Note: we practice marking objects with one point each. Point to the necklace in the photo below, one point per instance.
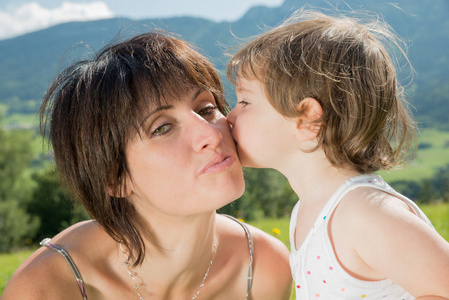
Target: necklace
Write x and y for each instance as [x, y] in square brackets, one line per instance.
[136, 287]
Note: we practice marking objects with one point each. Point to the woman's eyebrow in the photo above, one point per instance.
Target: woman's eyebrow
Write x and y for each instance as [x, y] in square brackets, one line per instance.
[154, 111]
[197, 93]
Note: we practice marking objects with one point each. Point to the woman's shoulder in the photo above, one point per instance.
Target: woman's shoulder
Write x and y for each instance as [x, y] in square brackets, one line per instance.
[243, 233]
[46, 274]
[271, 277]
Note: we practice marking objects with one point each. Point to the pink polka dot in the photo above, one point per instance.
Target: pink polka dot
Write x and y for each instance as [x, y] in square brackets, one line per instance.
[308, 272]
[343, 289]
[318, 295]
[318, 257]
[324, 281]
[298, 286]
[331, 268]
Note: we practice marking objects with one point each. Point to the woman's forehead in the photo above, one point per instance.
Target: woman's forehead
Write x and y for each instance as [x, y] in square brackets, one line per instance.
[172, 97]
[170, 100]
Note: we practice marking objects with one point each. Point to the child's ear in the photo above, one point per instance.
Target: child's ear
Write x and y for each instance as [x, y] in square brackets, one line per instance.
[308, 124]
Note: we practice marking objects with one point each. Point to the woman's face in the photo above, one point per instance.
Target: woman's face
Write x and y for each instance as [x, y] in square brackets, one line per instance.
[184, 161]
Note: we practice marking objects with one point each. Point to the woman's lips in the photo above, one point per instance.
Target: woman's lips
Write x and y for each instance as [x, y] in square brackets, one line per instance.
[218, 163]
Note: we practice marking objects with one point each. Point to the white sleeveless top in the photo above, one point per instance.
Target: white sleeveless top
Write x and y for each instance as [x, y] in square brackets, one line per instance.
[315, 268]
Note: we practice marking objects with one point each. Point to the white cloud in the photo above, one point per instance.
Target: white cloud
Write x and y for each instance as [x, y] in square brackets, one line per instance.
[32, 16]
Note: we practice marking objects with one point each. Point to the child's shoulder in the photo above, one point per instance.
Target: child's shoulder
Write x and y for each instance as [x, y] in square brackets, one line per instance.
[373, 221]
[380, 235]
[369, 220]
[367, 230]
[369, 200]
[368, 208]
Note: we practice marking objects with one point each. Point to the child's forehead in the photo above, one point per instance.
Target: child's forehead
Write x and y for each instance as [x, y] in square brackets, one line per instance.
[248, 71]
[240, 87]
[247, 85]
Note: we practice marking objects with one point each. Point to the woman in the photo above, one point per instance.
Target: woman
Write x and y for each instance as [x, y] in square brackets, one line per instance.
[140, 138]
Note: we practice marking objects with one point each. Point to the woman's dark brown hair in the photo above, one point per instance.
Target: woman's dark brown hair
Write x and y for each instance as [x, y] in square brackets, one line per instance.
[95, 107]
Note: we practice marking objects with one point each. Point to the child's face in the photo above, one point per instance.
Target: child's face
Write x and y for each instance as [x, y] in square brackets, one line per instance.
[263, 136]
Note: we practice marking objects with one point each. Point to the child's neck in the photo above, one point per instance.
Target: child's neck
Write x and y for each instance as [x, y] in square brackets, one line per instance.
[314, 177]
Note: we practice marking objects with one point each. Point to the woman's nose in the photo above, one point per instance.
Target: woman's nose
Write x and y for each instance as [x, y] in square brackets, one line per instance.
[206, 135]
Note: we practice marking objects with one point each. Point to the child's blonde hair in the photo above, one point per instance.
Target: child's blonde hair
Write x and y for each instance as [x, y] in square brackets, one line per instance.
[344, 66]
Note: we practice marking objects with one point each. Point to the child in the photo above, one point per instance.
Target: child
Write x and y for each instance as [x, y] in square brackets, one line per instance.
[318, 100]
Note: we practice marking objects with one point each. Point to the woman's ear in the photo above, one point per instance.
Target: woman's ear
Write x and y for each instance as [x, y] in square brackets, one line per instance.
[308, 124]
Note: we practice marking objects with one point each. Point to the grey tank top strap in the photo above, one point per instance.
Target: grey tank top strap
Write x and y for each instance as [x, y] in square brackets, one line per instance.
[251, 254]
[79, 279]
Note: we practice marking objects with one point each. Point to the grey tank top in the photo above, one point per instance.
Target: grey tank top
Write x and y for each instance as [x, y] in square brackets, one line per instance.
[47, 243]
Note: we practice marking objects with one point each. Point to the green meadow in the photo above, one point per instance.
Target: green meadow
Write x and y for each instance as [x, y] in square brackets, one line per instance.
[432, 153]
[23, 120]
[437, 213]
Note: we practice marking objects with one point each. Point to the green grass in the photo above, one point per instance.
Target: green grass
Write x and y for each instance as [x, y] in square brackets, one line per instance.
[9, 262]
[427, 161]
[3, 108]
[439, 216]
[26, 120]
[276, 227]
[437, 213]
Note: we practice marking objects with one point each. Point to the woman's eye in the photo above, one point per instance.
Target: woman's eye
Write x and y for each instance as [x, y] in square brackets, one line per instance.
[161, 129]
[207, 111]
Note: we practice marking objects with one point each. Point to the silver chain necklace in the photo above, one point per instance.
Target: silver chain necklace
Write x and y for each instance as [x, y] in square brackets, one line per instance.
[136, 287]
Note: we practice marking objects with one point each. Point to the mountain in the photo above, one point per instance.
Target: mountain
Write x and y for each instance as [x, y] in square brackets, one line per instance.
[28, 63]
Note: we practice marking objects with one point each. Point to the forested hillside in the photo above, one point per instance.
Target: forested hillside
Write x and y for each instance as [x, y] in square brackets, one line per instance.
[29, 62]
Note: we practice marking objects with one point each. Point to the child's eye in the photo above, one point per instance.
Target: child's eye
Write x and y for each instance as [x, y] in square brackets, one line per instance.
[163, 129]
[243, 103]
[207, 111]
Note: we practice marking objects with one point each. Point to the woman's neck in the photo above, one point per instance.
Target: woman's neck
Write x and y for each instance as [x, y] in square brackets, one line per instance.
[178, 253]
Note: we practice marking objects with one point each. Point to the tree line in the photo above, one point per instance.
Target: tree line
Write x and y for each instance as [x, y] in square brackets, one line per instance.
[33, 205]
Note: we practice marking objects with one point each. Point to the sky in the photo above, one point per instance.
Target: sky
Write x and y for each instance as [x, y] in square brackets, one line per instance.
[18, 17]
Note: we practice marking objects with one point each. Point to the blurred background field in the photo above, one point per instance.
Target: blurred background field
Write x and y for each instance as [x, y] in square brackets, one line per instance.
[32, 203]
[432, 153]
